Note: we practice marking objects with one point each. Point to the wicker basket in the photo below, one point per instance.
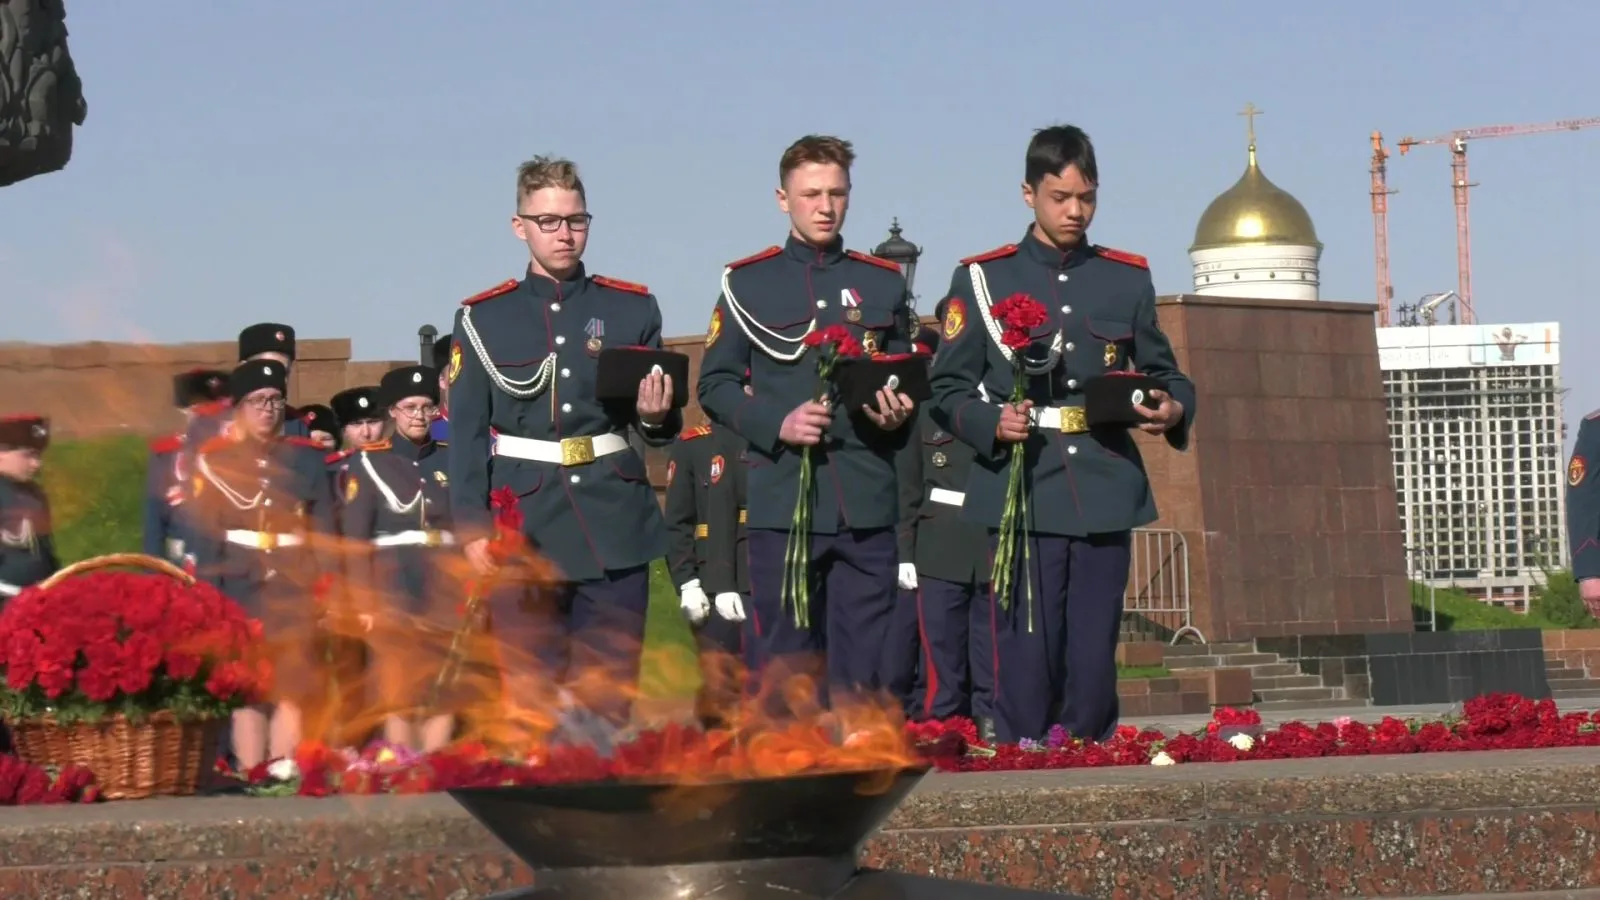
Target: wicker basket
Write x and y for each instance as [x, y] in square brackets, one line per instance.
[160, 756]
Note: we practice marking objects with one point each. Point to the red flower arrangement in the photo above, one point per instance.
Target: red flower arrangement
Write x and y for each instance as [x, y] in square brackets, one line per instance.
[108, 643]
[833, 344]
[1018, 315]
[1494, 722]
[22, 784]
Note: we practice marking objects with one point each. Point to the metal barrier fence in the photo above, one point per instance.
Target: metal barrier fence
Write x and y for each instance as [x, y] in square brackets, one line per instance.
[1156, 604]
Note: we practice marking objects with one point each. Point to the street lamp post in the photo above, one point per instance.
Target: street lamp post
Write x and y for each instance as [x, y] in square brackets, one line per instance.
[899, 250]
[426, 335]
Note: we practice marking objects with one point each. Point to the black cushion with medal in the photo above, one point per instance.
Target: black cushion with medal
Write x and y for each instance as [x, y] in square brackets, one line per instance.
[622, 368]
[859, 380]
[1109, 400]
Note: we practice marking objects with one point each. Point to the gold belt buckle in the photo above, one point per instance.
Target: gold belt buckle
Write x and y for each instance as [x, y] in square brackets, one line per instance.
[1074, 420]
[266, 540]
[431, 538]
[702, 531]
[577, 451]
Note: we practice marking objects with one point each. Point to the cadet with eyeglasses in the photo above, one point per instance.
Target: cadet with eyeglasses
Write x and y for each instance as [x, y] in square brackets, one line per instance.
[524, 362]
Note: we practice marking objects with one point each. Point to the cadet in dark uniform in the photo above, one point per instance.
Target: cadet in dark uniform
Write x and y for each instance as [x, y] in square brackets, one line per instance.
[200, 392]
[1088, 489]
[361, 416]
[259, 502]
[1583, 512]
[321, 426]
[396, 501]
[951, 571]
[707, 554]
[528, 361]
[264, 340]
[904, 672]
[27, 542]
[440, 429]
[769, 303]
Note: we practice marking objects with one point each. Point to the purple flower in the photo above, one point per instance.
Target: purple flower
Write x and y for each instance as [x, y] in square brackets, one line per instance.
[1057, 738]
[1030, 744]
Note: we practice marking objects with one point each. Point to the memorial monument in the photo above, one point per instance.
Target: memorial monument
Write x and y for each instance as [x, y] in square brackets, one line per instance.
[41, 97]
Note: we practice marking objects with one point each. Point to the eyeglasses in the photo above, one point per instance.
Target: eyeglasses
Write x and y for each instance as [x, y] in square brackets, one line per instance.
[552, 224]
[265, 404]
[417, 412]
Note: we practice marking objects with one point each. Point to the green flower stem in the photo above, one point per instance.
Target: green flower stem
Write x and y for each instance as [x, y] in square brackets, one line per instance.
[1014, 520]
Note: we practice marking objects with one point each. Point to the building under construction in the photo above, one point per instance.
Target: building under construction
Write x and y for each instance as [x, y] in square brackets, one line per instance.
[1475, 424]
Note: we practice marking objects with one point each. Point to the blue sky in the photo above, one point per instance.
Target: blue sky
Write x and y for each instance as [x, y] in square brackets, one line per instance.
[347, 167]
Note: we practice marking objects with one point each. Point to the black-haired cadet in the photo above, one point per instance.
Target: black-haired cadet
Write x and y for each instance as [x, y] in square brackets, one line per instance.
[321, 425]
[198, 392]
[27, 542]
[361, 416]
[397, 502]
[1088, 485]
[262, 341]
[259, 504]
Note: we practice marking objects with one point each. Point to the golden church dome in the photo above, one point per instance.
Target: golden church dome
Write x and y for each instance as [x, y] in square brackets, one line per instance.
[1254, 212]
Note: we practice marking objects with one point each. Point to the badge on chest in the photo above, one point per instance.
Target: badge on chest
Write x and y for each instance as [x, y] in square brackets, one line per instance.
[717, 465]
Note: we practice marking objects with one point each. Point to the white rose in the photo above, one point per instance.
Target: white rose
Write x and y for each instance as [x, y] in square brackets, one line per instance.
[283, 770]
[1242, 742]
[1162, 759]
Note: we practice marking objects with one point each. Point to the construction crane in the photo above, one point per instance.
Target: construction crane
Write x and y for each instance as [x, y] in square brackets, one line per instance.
[1457, 142]
[1380, 224]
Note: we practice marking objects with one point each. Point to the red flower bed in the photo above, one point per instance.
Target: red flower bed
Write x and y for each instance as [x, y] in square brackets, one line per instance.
[24, 785]
[1495, 722]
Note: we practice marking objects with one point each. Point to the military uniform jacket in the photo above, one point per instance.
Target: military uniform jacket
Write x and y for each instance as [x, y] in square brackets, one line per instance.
[1583, 500]
[27, 545]
[439, 429]
[165, 478]
[933, 535]
[397, 489]
[769, 302]
[1102, 312]
[705, 511]
[279, 488]
[524, 360]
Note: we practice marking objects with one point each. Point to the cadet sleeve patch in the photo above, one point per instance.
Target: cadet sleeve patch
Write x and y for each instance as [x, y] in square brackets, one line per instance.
[879, 261]
[717, 464]
[454, 371]
[996, 253]
[1124, 257]
[618, 284]
[955, 318]
[714, 330]
[1576, 470]
[504, 287]
[672, 469]
[352, 487]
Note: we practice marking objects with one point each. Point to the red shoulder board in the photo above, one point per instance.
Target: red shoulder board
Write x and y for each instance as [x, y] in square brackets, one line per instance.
[169, 444]
[215, 407]
[689, 434]
[879, 261]
[384, 444]
[217, 442]
[996, 253]
[1122, 256]
[619, 285]
[768, 253]
[299, 441]
[504, 287]
[339, 456]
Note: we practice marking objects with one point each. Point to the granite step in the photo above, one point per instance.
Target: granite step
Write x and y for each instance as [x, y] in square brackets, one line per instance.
[1251, 659]
[1175, 663]
[1295, 694]
[1564, 674]
[1274, 670]
[1283, 682]
[1268, 706]
[1586, 690]
[1224, 649]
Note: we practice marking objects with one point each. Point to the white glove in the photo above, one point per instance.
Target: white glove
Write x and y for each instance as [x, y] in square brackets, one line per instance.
[908, 576]
[730, 606]
[694, 602]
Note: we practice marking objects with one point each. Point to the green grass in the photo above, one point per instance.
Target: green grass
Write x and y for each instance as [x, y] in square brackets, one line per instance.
[1555, 607]
[1131, 673]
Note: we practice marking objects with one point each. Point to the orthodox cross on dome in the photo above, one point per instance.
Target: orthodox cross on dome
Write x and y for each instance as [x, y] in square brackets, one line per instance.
[1250, 112]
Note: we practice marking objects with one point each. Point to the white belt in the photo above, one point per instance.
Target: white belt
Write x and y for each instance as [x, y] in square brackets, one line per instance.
[261, 540]
[573, 451]
[417, 538]
[946, 496]
[1066, 419]
[9, 590]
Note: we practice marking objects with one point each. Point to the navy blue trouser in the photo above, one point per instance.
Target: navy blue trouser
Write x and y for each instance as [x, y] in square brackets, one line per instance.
[1068, 660]
[852, 602]
[905, 671]
[958, 649]
[586, 636]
